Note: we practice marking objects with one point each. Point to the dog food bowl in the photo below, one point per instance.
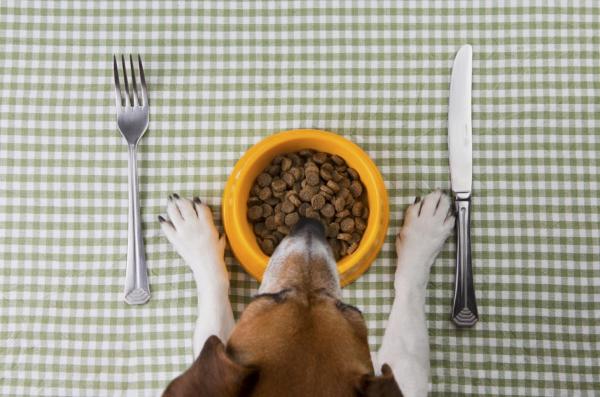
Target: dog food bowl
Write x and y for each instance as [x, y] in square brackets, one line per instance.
[239, 231]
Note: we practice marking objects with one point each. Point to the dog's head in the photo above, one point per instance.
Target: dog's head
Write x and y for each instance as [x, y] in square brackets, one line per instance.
[296, 338]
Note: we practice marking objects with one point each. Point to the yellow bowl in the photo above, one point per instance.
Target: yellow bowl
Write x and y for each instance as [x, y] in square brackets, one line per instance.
[254, 161]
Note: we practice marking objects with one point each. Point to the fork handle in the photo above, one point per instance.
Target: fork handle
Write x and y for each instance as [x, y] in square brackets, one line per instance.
[137, 290]
[464, 310]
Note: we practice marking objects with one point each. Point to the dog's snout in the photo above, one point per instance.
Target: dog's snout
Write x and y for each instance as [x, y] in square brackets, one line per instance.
[304, 258]
[308, 225]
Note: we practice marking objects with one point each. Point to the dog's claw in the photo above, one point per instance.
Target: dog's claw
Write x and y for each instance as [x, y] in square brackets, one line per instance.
[438, 204]
[421, 207]
[450, 214]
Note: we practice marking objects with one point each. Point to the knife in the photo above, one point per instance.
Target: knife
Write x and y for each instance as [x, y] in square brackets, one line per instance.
[464, 308]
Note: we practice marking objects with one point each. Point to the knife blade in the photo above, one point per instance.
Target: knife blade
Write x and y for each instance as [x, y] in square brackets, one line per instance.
[464, 308]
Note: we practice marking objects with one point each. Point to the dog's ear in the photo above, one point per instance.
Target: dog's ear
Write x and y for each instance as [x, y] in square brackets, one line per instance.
[384, 385]
[213, 373]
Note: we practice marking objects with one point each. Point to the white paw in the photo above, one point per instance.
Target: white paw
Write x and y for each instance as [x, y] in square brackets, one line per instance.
[191, 230]
[427, 224]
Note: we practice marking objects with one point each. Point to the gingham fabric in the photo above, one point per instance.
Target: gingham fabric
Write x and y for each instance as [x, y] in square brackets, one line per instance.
[222, 75]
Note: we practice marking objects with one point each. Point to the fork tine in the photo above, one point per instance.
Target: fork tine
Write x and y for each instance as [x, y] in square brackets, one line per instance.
[143, 81]
[133, 82]
[129, 98]
[118, 98]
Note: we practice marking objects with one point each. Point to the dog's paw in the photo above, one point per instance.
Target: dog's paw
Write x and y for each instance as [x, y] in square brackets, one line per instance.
[427, 224]
[191, 230]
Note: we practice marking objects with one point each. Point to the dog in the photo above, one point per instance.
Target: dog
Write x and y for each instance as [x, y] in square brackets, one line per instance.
[297, 337]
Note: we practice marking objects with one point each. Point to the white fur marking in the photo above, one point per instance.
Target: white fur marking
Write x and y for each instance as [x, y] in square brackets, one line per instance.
[293, 245]
[196, 239]
[405, 345]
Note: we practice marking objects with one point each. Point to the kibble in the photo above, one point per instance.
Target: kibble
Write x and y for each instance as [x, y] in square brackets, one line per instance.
[274, 170]
[353, 174]
[312, 178]
[326, 189]
[286, 164]
[295, 200]
[311, 166]
[289, 179]
[297, 187]
[337, 160]
[287, 207]
[272, 201]
[342, 214]
[312, 213]
[351, 248]
[328, 210]
[255, 212]
[296, 160]
[365, 214]
[357, 208]
[291, 219]
[267, 246]
[345, 193]
[333, 229]
[347, 225]
[326, 171]
[279, 218]
[336, 176]
[327, 196]
[278, 236]
[333, 186]
[356, 188]
[266, 210]
[344, 236]
[259, 228]
[343, 248]
[264, 179]
[317, 201]
[254, 201]
[278, 185]
[270, 223]
[320, 157]
[360, 224]
[350, 202]
[308, 184]
[305, 195]
[302, 209]
[283, 230]
[297, 173]
[339, 204]
[265, 193]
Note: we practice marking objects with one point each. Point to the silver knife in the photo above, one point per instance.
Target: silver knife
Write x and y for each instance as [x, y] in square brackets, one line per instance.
[464, 308]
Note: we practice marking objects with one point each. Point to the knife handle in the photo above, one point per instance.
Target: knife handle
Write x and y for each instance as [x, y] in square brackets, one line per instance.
[464, 310]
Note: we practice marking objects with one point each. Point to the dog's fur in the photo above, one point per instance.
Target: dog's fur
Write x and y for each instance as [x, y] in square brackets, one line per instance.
[296, 337]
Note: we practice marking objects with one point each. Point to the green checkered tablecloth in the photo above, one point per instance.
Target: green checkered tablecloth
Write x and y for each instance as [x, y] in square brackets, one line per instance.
[222, 75]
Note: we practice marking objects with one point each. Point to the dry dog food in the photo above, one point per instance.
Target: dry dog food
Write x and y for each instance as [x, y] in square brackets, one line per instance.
[314, 185]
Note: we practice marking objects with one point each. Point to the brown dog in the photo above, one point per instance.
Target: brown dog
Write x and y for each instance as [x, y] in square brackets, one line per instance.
[296, 337]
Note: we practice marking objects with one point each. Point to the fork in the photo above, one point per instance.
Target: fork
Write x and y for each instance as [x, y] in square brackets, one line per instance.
[132, 119]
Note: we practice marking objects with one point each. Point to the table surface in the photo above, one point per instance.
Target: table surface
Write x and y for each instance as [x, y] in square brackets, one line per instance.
[223, 75]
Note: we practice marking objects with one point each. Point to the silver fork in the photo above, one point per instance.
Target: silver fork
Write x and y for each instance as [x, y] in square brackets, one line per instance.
[132, 119]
